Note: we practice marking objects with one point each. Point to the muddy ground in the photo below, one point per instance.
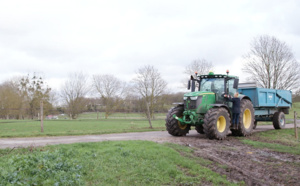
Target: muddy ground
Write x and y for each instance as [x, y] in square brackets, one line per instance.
[241, 162]
[238, 161]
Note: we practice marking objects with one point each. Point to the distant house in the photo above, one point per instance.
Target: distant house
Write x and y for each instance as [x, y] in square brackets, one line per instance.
[51, 117]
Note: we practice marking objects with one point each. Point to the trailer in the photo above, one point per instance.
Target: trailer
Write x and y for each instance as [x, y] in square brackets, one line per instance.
[268, 104]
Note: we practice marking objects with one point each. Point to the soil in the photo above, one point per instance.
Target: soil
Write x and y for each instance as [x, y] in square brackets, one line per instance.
[230, 157]
[240, 162]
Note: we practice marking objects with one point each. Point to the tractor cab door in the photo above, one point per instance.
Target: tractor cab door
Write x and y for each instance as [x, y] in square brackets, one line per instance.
[231, 89]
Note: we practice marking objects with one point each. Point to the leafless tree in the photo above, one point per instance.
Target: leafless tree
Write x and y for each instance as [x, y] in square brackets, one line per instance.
[149, 85]
[111, 90]
[199, 66]
[271, 64]
[21, 96]
[33, 90]
[73, 93]
[296, 96]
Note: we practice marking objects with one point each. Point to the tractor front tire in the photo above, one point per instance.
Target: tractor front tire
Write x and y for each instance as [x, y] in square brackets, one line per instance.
[174, 127]
[216, 123]
[278, 120]
[246, 120]
[199, 129]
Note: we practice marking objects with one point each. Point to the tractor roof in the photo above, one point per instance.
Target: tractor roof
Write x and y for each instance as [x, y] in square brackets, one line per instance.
[212, 75]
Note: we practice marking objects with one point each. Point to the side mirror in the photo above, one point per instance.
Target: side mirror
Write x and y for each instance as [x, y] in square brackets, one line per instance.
[189, 85]
[193, 86]
[236, 83]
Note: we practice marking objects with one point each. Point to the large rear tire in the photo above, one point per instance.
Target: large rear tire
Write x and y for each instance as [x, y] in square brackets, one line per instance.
[174, 127]
[278, 120]
[246, 120]
[216, 123]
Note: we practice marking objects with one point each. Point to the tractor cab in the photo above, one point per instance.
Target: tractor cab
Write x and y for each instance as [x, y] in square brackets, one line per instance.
[218, 84]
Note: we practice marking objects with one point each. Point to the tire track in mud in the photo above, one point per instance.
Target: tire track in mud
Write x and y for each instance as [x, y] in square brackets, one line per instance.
[235, 172]
[245, 163]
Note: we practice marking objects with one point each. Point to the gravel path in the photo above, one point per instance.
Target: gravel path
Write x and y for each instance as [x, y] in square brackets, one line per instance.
[158, 136]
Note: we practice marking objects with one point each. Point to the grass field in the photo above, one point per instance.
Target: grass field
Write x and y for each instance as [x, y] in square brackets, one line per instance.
[117, 115]
[107, 163]
[296, 107]
[115, 162]
[29, 128]
[277, 140]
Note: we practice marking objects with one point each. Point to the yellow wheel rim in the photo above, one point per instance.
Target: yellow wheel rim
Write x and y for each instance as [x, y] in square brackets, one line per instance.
[181, 126]
[247, 118]
[221, 124]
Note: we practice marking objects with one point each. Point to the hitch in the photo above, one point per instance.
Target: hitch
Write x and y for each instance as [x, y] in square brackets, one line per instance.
[188, 118]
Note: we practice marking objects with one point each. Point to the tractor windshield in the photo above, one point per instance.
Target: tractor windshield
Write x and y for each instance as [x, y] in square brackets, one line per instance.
[215, 85]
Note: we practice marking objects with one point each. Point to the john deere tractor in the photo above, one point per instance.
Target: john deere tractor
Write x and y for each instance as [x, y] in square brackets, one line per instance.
[206, 108]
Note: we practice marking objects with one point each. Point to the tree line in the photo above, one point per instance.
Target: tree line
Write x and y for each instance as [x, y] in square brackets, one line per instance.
[21, 97]
[270, 63]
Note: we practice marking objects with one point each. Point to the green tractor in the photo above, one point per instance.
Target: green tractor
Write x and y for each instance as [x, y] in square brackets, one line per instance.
[206, 108]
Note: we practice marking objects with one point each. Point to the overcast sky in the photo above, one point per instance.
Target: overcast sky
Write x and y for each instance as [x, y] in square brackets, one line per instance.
[59, 37]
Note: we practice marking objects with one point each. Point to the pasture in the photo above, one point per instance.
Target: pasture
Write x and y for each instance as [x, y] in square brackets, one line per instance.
[86, 124]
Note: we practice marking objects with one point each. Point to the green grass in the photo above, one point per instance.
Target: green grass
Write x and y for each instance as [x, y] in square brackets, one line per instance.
[117, 115]
[29, 128]
[296, 107]
[277, 140]
[106, 163]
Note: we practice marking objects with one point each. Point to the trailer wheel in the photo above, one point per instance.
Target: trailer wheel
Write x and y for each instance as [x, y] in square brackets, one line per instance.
[279, 120]
[174, 127]
[199, 129]
[246, 120]
[216, 123]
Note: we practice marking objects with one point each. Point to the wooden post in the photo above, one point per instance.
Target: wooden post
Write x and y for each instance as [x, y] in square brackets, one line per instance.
[42, 117]
[295, 125]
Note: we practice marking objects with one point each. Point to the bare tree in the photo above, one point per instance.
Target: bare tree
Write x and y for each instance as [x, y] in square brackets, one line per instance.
[73, 93]
[111, 90]
[34, 89]
[21, 96]
[149, 85]
[271, 64]
[199, 66]
[296, 96]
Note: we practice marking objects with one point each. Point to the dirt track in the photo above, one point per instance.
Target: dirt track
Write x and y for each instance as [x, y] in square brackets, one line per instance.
[242, 162]
[157, 136]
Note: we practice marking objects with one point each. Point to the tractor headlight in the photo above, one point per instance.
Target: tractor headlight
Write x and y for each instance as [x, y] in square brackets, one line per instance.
[194, 98]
